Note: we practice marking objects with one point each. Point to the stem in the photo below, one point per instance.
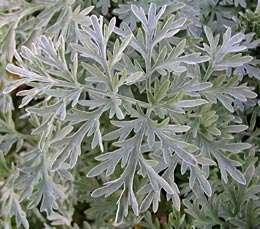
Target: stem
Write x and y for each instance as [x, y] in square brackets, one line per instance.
[148, 83]
[148, 65]
[208, 73]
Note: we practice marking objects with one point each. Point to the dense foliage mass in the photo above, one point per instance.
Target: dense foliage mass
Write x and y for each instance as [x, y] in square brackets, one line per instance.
[129, 114]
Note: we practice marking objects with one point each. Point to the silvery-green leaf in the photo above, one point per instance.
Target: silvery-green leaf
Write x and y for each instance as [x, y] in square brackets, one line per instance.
[118, 51]
[226, 167]
[191, 103]
[186, 156]
[197, 174]
[235, 147]
[226, 102]
[11, 206]
[70, 147]
[233, 61]
[193, 58]
[236, 128]
[179, 128]
[134, 78]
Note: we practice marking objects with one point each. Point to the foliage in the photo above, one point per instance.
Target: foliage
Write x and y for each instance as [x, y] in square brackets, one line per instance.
[140, 114]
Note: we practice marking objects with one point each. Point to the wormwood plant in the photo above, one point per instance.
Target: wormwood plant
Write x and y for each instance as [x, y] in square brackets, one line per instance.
[154, 101]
